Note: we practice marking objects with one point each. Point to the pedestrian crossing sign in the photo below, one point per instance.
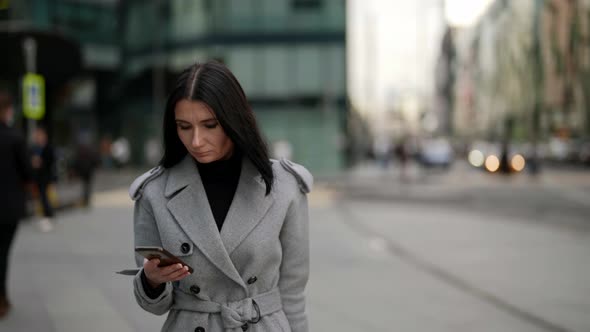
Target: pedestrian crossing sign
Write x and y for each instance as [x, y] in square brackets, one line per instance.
[4, 4]
[34, 96]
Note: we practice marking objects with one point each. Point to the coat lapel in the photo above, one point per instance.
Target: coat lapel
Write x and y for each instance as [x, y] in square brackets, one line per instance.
[190, 207]
[247, 208]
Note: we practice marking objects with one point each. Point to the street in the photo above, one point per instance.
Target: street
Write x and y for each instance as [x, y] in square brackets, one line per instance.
[379, 261]
[449, 143]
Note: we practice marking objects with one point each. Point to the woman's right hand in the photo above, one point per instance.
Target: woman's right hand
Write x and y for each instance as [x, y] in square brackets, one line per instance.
[159, 275]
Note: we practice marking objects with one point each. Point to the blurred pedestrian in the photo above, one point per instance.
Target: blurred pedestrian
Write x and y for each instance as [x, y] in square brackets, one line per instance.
[121, 151]
[86, 161]
[382, 150]
[282, 149]
[152, 151]
[402, 155]
[44, 174]
[15, 173]
[533, 160]
[219, 203]
[106, 157]
[504, 167]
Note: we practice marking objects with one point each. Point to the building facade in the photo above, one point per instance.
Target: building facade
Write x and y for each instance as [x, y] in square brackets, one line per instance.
[526, 63]
[289, 56]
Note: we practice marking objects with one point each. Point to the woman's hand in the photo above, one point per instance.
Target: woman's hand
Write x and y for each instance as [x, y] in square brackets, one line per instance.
[159, 275]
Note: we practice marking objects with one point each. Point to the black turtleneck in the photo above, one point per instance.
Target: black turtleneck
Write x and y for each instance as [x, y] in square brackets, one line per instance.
[220, 180]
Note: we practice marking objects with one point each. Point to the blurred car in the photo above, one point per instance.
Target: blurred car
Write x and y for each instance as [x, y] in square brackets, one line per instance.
[558, 149]
[487, 156]
[436, 152]
[569, 150]
[584, 153]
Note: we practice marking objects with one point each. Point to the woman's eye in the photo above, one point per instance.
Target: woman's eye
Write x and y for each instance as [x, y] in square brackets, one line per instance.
[184, 127]
[211, 125]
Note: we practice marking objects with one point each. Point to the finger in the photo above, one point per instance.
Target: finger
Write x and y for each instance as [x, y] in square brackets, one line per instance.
[151, 264]
[177, 273]
[174, 276]
[171, 269]
[182, 276]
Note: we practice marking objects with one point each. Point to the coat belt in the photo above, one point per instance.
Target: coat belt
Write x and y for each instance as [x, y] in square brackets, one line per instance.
[233, 314]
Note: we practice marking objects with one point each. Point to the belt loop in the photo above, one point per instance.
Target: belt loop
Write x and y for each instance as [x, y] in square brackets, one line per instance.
[257, 318]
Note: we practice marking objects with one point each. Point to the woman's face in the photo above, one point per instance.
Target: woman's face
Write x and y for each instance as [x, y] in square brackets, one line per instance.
[200, 132]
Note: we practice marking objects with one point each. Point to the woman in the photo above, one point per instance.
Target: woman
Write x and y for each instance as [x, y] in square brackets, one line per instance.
[218, 203]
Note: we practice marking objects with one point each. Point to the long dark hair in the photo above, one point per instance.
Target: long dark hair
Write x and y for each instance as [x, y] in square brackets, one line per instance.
[215, 85]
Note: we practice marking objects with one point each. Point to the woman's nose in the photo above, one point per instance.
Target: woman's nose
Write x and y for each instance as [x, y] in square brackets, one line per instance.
[197, 139]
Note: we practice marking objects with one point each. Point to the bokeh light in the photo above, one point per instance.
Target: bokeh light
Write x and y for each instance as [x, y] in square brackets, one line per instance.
[476, 158]
[518, 163]
[492, 163]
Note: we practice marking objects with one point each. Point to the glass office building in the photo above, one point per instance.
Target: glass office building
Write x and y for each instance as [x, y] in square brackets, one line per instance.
[289, 56]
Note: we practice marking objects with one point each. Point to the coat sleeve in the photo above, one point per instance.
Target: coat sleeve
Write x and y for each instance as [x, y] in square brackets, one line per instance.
[294, 271]
[146, 234]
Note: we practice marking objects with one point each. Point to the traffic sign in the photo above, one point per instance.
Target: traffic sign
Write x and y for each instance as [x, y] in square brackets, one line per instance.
[34, 96]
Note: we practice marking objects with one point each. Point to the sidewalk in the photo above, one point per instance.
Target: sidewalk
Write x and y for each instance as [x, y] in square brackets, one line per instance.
[461, 184]
[423, 268]
[461, 180]
[69, 192]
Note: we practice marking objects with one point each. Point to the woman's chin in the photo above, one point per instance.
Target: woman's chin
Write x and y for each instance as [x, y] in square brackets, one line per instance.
[204, 159]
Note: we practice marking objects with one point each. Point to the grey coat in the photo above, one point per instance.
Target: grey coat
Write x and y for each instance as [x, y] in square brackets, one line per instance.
[251, 274]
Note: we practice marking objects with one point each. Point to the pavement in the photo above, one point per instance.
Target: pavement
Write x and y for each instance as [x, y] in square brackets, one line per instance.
[383, 258]
[372, 182]
[69, 190]
[369, 180]
[559, 196]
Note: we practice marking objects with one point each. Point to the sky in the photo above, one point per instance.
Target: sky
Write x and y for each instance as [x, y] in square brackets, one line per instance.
[394, 45]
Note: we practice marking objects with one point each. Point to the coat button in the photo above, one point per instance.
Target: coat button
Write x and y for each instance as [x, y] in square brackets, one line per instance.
[245, 327]
[185, 248]
[199, 329]
[252, 280]
[195, 289]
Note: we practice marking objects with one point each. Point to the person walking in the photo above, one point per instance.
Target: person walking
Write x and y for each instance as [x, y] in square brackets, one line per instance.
[85, 163]
[43, 162]
[402, 155]
[224, 208]
[15, 173]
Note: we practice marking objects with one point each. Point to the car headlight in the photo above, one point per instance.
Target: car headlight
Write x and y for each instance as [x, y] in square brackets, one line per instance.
[492, 163]
[476, 158]
[517, 162]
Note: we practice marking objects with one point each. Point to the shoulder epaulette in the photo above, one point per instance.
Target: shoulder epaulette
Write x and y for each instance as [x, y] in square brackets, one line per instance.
[303, 176]
[137, 186]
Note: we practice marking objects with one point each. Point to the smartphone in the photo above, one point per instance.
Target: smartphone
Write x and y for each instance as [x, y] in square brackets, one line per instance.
[165, 257]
